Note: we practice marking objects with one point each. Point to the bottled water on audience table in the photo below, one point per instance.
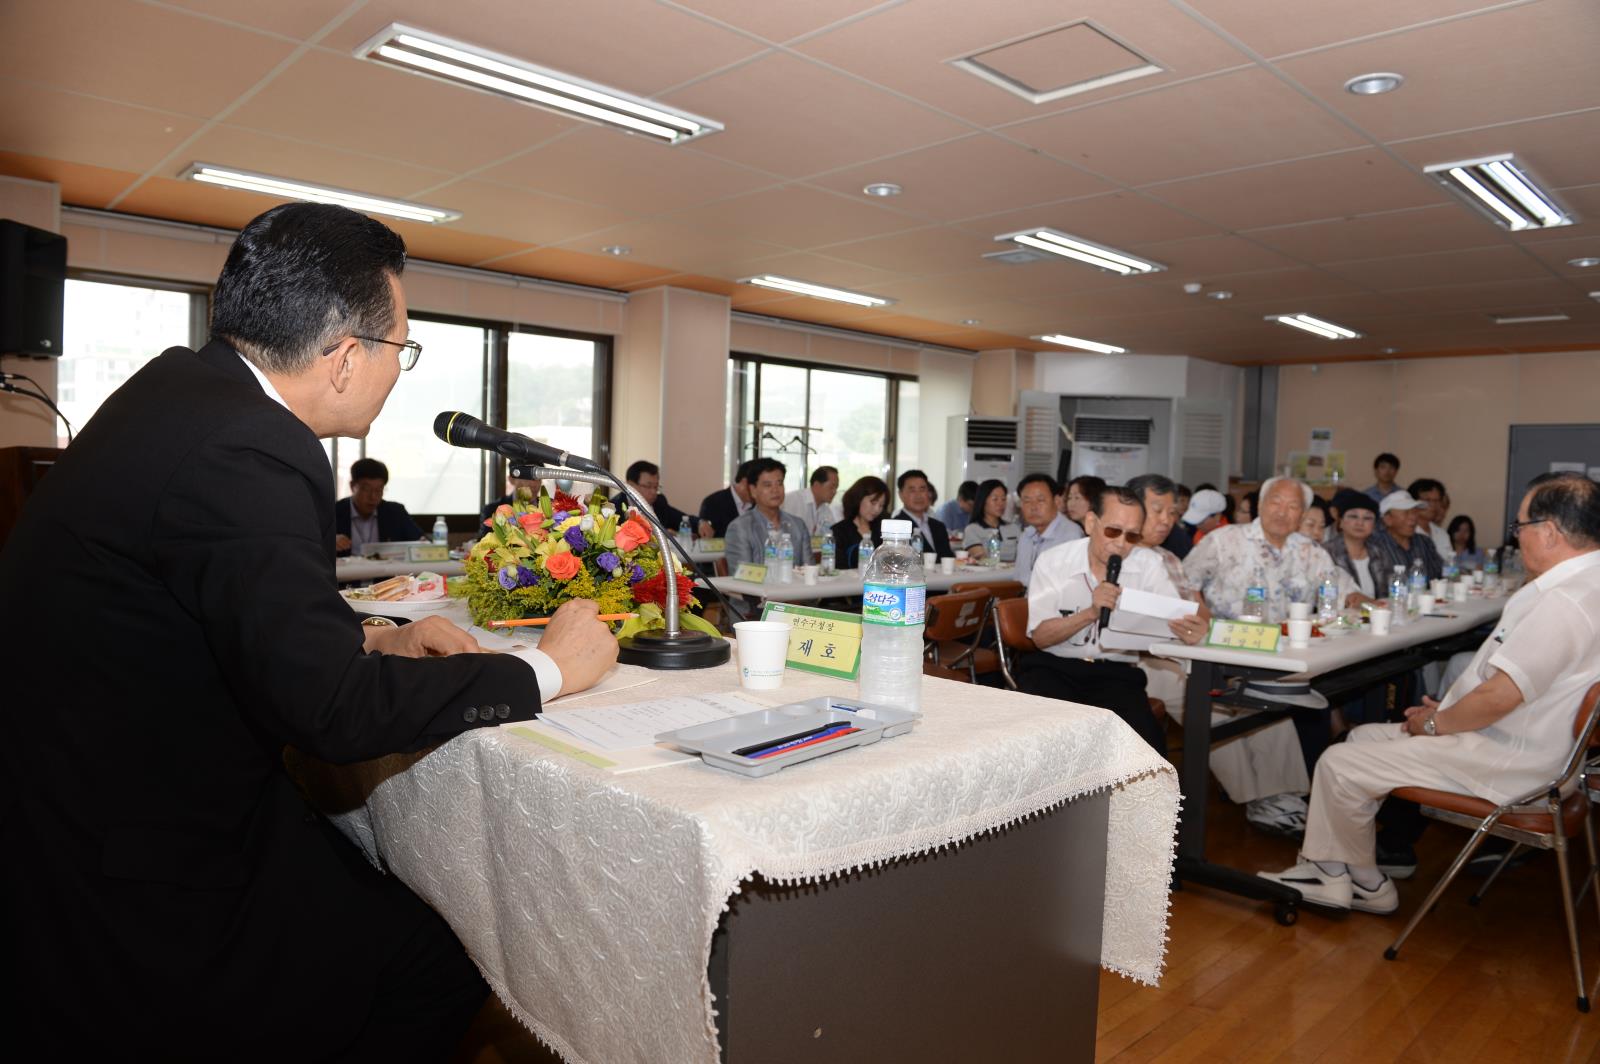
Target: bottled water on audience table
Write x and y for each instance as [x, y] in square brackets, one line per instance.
[1254, 607]
[769, 557]
[991, 549]
[827, 560]
[1328, 601]
[441, 531]
[893, 601]
[864, 556]
[1416, 582]
[916, 541]
[685, 533]
[785, 558]
[1398, 594]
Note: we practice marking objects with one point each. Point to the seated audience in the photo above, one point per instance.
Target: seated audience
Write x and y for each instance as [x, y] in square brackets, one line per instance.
[1358, 516]
[863, 506]
[1065, 597]
[1203, 515]
[988, 517]
[1079, 497]
[1245, 509]
[1317, 521]
[1397, 542]
[718, 509]
[1430, 517]
[747, 533]
[645, 478]
[1184, 496]
[958, 511]
[1464, 542]
[813, 504]
[363, 517]
[1386, 467]
[1044, 525]
[916, 499]
[1503, 728]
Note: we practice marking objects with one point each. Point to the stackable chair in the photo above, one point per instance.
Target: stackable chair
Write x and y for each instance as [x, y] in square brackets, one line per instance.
[1011, 629]
[1544, 818]
[955, 623]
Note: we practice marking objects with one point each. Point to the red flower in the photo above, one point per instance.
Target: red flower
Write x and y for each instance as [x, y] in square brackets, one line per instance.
[563, 501]
[632, 532]
[654, 589]
[563, 566]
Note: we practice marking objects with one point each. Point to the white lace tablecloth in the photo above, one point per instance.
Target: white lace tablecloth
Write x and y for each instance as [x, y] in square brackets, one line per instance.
[589, 900]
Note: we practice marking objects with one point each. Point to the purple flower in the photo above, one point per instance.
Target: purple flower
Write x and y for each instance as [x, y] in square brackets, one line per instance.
[574, 538]
[608, 561]
[559, 516]
[636, 576]
[527, 576]
[508, 577]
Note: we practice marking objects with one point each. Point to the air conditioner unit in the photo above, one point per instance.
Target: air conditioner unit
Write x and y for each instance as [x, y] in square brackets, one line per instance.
[1115, 449]
[983, 448]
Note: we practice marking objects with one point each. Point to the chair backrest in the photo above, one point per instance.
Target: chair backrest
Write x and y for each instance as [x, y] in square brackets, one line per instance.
[1011, 618]
[1006, 589]
[1584, 721]
[955, 616]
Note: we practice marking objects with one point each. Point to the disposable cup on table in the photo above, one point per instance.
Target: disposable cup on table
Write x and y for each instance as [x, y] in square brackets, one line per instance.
[1441, 589]
[1458, 591]
[947, 565]
[1299, 611]
[808, 574]
[1425, 604]
[762, 646]
[1380, 619]
[929, 560]
[962, 556]
[1299, 632]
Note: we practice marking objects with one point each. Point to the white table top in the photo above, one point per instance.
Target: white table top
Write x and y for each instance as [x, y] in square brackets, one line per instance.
[352, 570]
[848, 583]
[1327, 655]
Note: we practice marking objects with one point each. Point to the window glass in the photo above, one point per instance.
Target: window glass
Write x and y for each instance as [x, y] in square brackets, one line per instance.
[907, 444]
[109, 332]
[782, 402]
[850, 410]
[550, 390]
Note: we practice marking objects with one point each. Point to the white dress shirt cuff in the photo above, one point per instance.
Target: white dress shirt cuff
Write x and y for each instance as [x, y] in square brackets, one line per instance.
[545, 668]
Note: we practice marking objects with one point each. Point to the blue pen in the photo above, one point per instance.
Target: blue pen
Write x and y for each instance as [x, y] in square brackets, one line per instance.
[778, 746]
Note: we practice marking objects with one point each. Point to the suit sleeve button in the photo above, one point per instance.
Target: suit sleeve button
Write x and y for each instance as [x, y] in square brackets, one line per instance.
[502, 711]
[470, 714]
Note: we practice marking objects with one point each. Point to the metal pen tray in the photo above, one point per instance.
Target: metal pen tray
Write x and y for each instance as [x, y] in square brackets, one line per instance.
[717, 741]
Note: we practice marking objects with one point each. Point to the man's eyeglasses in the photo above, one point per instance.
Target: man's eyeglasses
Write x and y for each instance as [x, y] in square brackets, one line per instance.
[1134, 538]
[410, 350]
[1517, 526]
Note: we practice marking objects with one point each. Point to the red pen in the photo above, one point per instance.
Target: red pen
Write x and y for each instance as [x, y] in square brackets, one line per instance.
[809, 742]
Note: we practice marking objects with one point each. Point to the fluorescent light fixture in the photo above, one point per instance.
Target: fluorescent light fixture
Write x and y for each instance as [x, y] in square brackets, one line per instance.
[1074, 247]
[816, 291]
[285, 188]
[1316, 326]
[1502, 191]
[459, 63]
[1527, 319]
[1082, 345]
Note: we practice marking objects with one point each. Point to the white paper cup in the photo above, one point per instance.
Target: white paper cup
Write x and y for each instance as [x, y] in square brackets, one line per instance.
[1477, 577]
[1459, 591]
[1425, 603]
[947, 565]
[962, 555]
[1441, 589]
[1299, 632]
[929, 560]
[808, 574]
[1380, 621]
[763, 645]
[1299, 611]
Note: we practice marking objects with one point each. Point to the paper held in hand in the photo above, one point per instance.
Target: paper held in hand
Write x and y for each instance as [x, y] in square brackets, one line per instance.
[1140, 620]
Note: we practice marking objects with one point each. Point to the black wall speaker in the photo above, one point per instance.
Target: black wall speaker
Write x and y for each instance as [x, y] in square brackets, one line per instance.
[33, 288]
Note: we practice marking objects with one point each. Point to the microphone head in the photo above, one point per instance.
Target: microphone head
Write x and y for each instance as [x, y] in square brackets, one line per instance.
[457, 429]
[441, 425]
[1113, 568]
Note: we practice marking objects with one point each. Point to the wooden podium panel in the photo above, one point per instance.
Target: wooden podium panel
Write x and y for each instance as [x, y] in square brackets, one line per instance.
[20, 470]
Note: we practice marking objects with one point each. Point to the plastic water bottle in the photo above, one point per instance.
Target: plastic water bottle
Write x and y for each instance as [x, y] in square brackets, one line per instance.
[893, 603]
[916, 541]
[785, 558]
[1418, 578]
[1328, 601]
[441, 531]
[685, 533]
[864, 555]
[827, 562]
[1399, 592]
[769, 557]
[1254, 607]
[991, 549]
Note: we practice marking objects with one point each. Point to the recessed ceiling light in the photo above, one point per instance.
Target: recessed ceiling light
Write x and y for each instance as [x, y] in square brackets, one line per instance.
[1325, 329]
[816, 291]
[1527, 319]
[1219, 295]
[285, 188]
[1584, 263]
[1595, 296]
[1083, 345]
[459, 63]
[1074, 247]
[1388, 350]
[1374, 84]
[1501, 190]
[883, 189]
[972, 321]
[617, 249]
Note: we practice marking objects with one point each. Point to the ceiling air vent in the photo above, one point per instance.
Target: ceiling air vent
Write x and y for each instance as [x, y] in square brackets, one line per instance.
[1065, 61]
[1112, 429]
[1017, 256]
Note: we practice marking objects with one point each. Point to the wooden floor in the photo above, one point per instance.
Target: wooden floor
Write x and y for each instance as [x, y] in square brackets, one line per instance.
[1490, 984]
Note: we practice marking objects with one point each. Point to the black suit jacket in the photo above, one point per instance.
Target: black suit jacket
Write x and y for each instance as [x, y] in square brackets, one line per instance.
[720, 508]
[395, 525]
[847, 542]
[936, 529]
[171, 621]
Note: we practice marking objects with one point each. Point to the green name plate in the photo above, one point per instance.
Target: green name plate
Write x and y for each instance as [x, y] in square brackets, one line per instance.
[711, 546]
[428, 552]
[825, 642]
[756, 574]
[1244, 635]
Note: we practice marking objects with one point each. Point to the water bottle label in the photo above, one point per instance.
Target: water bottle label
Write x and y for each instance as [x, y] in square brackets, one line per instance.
[893, 605]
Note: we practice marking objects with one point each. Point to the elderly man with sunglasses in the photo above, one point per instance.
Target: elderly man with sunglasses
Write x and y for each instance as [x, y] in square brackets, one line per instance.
[1065, 596]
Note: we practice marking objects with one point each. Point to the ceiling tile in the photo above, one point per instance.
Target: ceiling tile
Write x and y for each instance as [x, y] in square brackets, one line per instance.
[271, 154]
[1297, 284]
[1210, 256]
[1037, 280]
[783, 115]
[1117, 219]
[909, 48]
[780, 22]
[1218, 123]
[349, 103]
[1295, 25]
[1470, 266]
[1558, 254]
[639, 46]
[974, 175]
[602, 166]
[1333, 186]
[1462, 75]
[299, 19]
[181, 63]
[796, 217]
[161, 197]
[1543, 146]
[442, 243]
[81, 186]
[1446, 227]
[821, 269]
[679, 247]
[1503, 295]
[558, 264]
[936, 249]
[83, 129]
[522, 214]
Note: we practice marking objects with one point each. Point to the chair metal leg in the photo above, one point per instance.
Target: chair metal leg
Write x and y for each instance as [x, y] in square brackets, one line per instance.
[1568, 908]
[1438, 888]
[1478, 894]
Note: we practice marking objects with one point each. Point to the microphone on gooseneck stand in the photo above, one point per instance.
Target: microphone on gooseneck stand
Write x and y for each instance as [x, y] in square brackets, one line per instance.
[1113, 570]
[464, 430]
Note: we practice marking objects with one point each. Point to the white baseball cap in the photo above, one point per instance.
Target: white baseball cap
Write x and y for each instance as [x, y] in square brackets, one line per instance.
[1399, 500]
[1207, 503]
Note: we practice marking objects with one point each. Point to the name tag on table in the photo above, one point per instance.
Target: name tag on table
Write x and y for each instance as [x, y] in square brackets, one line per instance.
[826, 642]
[756, 574]
[1244, 635]
[428, 552]
[711, 546]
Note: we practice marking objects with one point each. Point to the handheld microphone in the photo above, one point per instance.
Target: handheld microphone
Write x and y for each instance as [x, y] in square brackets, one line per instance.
[464, 430]
[1113, 570]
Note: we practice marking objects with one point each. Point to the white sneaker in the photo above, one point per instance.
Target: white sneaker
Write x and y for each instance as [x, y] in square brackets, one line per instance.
[1317, 886]
[1382, 899]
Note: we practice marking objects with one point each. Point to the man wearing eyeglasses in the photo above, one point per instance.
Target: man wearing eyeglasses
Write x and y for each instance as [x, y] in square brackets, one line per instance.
[159, 862]
[365, 516]
[1068, 590]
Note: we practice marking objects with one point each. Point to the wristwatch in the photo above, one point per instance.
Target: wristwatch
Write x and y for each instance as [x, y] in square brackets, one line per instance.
[1431, 725]
[377, 622]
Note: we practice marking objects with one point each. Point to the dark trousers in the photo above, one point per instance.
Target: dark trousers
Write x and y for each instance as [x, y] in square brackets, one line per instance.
[1111, 685]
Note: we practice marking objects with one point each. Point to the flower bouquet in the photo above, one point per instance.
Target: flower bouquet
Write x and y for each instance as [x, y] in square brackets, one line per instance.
[536, 554]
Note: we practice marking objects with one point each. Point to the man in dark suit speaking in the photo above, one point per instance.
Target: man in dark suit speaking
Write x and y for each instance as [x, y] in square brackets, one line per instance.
[365, 516]
[170, 623]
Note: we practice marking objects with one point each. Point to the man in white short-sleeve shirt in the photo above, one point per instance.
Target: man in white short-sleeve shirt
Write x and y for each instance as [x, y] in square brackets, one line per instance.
[1504, 727]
